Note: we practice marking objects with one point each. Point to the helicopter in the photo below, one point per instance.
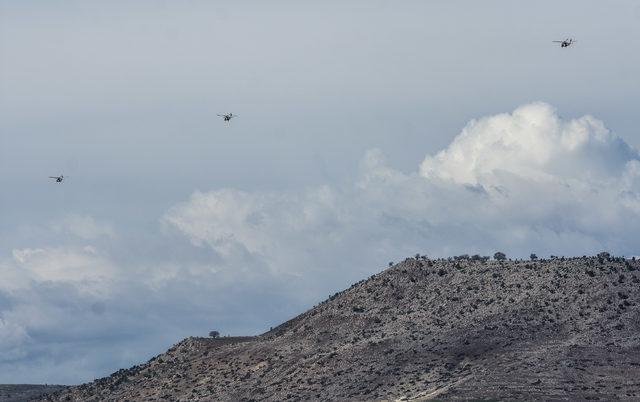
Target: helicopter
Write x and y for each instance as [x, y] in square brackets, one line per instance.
[565, 43]
[58, 178]
[228, 116]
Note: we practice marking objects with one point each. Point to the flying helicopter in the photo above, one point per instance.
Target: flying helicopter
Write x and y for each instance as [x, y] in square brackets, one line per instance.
[228, 116]
[565, 43]
[58, 178]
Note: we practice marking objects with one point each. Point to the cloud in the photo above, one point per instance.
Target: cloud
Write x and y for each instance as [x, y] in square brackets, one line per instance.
[72, 313]
[274, 227]
[83, 226]
[12, 336]
[65, 264]
[241, 261]
[527, 180]
[43, 299]
[534, 144]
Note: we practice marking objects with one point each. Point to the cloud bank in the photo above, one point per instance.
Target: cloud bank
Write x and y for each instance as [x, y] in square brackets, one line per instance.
[526, 181]
[523, 181]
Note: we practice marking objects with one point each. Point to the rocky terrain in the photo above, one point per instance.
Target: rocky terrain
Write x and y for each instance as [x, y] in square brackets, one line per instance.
[455, 329]
[25, 392]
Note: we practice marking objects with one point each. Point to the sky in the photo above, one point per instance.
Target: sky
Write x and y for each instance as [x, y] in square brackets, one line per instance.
[367, 131]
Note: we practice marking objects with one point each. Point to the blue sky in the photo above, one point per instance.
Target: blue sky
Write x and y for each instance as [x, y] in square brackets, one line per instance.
[367, 131]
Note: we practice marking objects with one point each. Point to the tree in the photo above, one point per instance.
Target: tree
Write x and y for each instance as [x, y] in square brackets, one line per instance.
[214, 334]
[500, 256]
[533, 257]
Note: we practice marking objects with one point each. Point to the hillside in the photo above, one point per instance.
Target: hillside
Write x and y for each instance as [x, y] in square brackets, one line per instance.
[448, 329]
[25, 392]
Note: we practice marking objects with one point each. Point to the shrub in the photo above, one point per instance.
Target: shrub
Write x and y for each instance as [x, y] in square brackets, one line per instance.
[533, 257]
[214, 334]
[500, 256]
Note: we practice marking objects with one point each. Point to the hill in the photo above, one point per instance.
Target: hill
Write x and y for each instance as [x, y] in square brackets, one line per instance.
[449, 329]
[25, 392]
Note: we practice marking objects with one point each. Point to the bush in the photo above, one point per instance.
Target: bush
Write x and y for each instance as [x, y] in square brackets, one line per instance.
[533, 257]
[214, 334]
[500, 256]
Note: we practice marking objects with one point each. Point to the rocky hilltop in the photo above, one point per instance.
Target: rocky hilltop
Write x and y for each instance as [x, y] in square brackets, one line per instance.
[447, 329]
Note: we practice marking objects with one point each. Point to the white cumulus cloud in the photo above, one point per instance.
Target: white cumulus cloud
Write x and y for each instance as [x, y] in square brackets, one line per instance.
[534, 144]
